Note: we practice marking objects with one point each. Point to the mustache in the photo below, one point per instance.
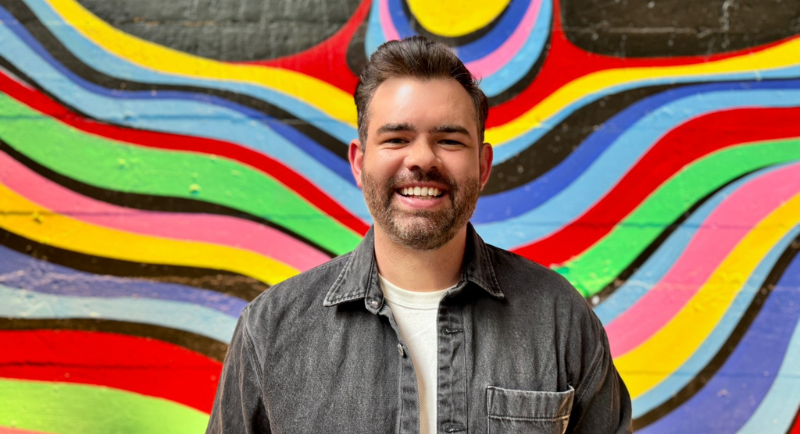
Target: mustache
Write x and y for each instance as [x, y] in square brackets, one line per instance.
[418, 175]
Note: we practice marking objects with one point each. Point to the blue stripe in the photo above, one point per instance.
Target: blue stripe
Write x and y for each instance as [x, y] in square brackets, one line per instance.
[20, 303]
[22, 271]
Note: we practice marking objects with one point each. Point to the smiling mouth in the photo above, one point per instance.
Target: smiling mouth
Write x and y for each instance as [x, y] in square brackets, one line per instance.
[421, 192]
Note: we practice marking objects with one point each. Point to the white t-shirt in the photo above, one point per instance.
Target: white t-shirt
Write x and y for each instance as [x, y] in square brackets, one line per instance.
[416, 314]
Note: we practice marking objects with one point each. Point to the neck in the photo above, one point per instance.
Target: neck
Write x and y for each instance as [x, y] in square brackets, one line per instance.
[420, 270]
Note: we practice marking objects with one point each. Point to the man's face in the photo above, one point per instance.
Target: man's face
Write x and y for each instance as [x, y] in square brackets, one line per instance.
[423, 166]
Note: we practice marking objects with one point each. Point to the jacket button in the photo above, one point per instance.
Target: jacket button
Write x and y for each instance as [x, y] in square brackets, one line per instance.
[373, 302]
[400, 350]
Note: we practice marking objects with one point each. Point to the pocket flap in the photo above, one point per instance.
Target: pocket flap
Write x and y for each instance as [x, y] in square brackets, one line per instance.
[509, 403]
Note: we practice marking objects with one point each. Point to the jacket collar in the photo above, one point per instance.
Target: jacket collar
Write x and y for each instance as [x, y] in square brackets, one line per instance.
[359, 277]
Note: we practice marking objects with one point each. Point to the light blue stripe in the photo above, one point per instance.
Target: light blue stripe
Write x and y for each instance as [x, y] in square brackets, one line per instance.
[615, 162]
[719, 335]
[119, 67]
[182, 117]
[776, 411]
[21, 303]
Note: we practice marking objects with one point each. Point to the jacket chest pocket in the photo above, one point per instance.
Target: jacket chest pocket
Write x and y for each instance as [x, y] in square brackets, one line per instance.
[522, 411]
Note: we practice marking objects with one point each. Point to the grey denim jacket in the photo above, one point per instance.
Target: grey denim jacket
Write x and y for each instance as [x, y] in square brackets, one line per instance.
[519, 351]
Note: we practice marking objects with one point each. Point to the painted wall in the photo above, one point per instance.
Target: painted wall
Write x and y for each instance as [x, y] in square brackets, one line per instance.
[162, 163]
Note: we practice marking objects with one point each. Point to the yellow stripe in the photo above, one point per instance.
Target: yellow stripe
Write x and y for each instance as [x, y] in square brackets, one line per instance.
[325, 97]
[783, 55]
[40, 224]
[453, 18]
[666, 351]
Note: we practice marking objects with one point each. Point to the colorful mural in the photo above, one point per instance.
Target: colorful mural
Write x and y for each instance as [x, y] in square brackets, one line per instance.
[146, 194]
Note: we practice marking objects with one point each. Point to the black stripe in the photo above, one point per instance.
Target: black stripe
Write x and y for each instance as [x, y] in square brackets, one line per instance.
[31, 22]
[705, 375]
[191, 341]
[527, 80]
[559, 142]
[658, 241]
[226, 282]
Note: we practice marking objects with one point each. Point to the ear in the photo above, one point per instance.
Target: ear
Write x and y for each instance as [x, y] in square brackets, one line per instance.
[487, 155]
[356, 156]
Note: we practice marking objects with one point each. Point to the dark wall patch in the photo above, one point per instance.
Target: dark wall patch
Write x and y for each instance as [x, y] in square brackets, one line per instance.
[655, 28]
[233, 30]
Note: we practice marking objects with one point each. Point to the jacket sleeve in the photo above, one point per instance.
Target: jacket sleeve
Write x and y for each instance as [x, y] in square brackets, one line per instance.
[602, 403]
[239, 404]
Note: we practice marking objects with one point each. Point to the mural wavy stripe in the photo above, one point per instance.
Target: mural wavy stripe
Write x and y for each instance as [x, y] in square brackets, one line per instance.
[5, 430]
[655, 265]
[589, 270]
[31, 220]
[21, 303]
[661, 114]
[727, 399]
[197, 343]
[604, 174]
[717, 348]
[76, 408]
[120, 166]
[144, 366]
[64, 281]
[671, 346]
[209, 229]
[716, 237]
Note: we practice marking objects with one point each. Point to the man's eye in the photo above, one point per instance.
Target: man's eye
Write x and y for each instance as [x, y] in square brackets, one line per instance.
[451, 142]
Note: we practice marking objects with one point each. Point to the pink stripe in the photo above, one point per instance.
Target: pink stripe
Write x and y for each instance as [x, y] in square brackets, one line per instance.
[492, 62]
[6, 430]
[208, 228]
[389, 30]
[724, 228]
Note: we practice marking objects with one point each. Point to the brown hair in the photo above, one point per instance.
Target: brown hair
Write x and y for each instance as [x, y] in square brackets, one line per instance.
[419, 58]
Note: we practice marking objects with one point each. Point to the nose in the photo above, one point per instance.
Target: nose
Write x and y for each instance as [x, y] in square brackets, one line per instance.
[422, 156]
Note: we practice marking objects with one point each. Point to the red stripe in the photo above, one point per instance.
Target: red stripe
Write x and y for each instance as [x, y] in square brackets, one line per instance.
[681, 146]
[328, 60]
[142, 365]
[796, 427]
[565, 62]
[151, 139]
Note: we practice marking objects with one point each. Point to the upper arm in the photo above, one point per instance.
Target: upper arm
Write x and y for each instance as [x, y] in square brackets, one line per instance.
[239, 403]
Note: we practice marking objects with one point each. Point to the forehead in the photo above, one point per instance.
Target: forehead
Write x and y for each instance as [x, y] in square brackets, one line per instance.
[422, 103]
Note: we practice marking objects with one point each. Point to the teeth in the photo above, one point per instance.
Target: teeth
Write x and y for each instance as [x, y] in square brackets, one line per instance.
[421, 191]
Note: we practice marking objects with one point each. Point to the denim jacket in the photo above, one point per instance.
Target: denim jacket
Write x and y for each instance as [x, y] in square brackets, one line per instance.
[519, 351]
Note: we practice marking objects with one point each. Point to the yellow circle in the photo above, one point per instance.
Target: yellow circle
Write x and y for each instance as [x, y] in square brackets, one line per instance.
[453, 18]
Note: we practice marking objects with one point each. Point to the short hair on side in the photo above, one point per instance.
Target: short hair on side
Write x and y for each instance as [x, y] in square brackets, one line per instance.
[419, 58]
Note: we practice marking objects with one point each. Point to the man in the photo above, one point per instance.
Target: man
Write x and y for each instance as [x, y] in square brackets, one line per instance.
[423, 328]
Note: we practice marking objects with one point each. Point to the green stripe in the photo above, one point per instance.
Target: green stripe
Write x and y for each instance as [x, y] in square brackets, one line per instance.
[117, 166]
[80, 409]
[600, 265]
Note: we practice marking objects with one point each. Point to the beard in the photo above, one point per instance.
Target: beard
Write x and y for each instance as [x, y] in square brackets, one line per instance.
[421, 229]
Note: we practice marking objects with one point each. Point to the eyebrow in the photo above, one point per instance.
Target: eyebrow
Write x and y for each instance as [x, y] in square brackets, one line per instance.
[449, 129]
[396, 128]
[406, 127]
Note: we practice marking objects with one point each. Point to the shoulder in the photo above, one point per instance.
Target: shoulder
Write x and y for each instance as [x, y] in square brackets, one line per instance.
[298, 293]
[519, 276]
